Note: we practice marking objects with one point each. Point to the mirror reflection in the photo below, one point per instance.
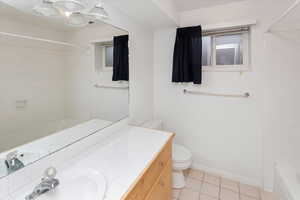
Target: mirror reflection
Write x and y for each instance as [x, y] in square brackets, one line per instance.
[62, 79]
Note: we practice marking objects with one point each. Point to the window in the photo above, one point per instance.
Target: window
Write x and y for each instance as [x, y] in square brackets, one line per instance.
[226, 50]
[104, 56]
[108, 56]
[206, 51]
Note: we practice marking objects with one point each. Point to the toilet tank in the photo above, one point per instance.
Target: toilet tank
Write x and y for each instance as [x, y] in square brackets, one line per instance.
[153, 124]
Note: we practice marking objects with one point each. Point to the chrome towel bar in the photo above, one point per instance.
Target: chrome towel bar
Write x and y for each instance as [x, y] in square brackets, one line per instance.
[111, 86]
[245, 95]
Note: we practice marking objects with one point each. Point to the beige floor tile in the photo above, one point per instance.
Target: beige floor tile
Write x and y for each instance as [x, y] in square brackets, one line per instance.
[187, 194]
[229, 184]
[228, 194]
[243, 197]
[268, 196]
[248, 190]
[175, 193]
[206, 197]
[196, 174]
[193, 184]
[211, 178]
[210, 190]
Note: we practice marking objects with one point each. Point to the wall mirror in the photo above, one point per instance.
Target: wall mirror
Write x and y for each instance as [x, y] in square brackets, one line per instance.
[64, 76]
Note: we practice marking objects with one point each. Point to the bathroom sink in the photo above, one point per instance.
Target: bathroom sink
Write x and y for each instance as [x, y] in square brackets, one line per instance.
[77, 184]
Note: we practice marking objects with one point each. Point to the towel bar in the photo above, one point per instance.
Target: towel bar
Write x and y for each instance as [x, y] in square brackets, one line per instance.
[111, 86]
[245, 95]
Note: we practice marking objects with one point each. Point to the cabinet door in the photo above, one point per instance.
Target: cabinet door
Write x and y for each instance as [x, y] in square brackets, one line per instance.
[162, 190]
[145, 184]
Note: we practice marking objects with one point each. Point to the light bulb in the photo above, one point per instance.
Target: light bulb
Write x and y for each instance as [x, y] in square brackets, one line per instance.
[70, 5]
[99, 12]
[77, 20]
[68, 14]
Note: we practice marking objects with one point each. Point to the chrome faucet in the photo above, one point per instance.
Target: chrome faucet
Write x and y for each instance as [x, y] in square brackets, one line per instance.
[48, 183]
[12, 162]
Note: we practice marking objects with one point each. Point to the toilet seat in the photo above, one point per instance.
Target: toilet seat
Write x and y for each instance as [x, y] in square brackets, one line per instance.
[181, 154]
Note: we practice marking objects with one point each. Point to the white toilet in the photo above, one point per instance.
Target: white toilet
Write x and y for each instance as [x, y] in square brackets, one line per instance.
[182, 160]
[182, 157]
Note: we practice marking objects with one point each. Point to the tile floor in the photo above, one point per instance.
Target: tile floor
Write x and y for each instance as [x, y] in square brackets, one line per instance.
[206, 186]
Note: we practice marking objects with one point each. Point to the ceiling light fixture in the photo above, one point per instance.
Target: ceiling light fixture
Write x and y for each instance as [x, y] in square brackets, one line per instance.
[46, 9]
[99, 12]
[75, 12]
[70, 5]
[77, 20]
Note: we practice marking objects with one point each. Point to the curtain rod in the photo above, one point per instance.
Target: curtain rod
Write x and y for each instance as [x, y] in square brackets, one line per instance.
[235, 30]
[39, 39]
[227, 25]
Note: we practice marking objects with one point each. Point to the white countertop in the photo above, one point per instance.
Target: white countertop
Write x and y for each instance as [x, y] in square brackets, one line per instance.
[121, 158]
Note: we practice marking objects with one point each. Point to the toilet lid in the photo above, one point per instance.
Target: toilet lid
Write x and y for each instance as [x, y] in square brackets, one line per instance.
[181, 154]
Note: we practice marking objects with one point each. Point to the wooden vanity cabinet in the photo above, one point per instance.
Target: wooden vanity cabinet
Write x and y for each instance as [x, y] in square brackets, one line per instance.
[155, 183]
[163, 187]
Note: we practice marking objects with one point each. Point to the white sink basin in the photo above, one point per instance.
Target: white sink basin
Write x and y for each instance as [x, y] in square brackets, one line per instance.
[75, 184]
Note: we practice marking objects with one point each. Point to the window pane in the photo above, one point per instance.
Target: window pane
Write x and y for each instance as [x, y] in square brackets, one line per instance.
[206, 51]
[109, 56]
[229, 50]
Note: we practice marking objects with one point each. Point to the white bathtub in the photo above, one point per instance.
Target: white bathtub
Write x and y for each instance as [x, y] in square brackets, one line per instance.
[287, 182]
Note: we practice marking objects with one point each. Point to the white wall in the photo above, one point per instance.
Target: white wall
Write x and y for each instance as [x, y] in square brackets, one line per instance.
[33, 72]
[226, 135]
[282, 108]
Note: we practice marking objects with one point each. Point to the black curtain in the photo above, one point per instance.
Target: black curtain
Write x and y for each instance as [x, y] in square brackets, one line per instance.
[187, 58]
[121, 58]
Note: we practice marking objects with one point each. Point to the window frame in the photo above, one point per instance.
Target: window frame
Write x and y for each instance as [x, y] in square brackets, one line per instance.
[229, 68]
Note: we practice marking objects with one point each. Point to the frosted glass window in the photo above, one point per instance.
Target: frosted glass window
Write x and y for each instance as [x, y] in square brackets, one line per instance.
[109, 52]
[229, 50]
[206, 51]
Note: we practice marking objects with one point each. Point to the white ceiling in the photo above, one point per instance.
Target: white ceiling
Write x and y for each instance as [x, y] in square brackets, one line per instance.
[184, 5]
[144, 12]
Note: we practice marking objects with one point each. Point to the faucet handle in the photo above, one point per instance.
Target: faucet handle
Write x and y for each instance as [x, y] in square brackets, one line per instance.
[50, 173]
[12, 155]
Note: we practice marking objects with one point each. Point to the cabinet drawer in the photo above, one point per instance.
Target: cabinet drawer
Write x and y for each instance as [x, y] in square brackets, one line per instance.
[150, 176]
[162, 190]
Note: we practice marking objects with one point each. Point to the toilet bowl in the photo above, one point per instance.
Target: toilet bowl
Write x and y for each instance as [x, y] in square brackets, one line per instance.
[182, 160]
[181, 157]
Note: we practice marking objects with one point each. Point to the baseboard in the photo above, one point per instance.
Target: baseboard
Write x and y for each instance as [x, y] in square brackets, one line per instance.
[226, 174]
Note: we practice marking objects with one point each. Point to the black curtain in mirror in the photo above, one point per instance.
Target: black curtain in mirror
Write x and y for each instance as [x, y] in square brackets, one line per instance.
[121, 58]
[187, 58]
